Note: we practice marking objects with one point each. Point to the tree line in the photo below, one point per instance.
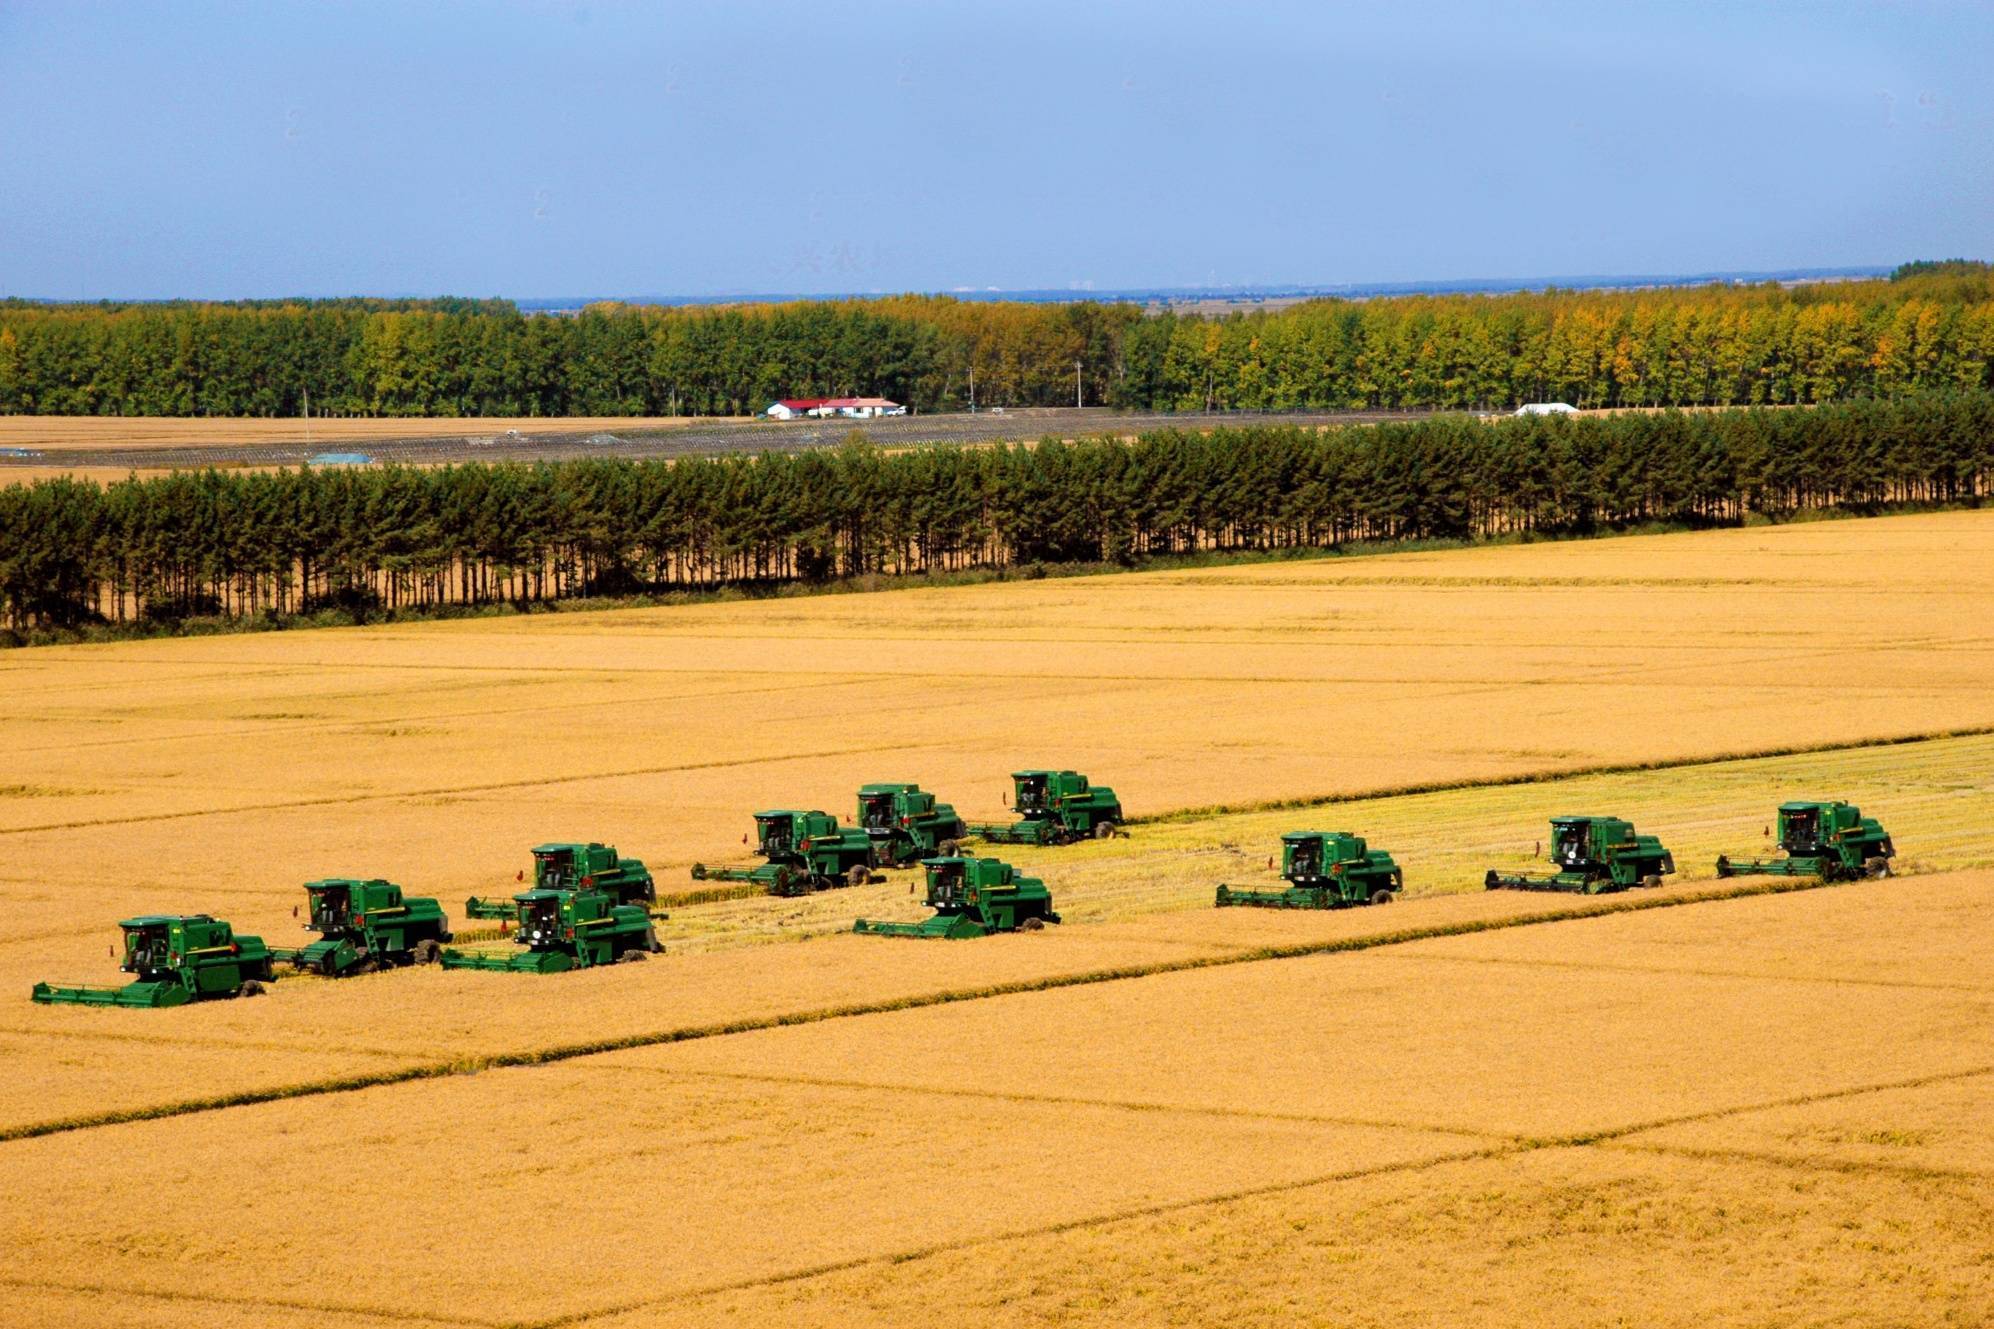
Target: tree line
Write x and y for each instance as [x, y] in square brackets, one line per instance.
[239, 543]
[1930, 328]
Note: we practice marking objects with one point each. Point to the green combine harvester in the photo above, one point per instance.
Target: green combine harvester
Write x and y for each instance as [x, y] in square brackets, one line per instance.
[1832, 841]
[1054, 807]
[571, 867]
[906, 824]
[178, 958]
[1593, 855]
[806, 851]
[973, 897]
[1324, 870]
[367, 925]
[567, 929]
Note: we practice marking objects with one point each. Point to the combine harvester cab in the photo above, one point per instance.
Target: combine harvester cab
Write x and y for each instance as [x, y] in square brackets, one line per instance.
[1054, 807]
[906, 824]
[576, 867]
[973, 897]
[1832, 841]
[364, 925]
[1593, 855]
[561, 930]
[806, 851]
[1324, 870]
[178, 958]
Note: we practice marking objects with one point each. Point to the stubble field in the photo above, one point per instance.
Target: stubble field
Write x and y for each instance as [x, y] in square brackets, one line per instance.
[1158, 1113]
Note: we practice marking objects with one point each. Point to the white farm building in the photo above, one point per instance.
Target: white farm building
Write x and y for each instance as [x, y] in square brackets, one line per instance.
[853, 408]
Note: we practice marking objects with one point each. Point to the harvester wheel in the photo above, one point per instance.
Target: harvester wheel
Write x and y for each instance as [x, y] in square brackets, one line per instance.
[632, 957]
[1876, 867]
[1033, 925]
[1652, 880]
[859, 875]
[1381, 896]
[948, 848]
[425, 952]
[250, 988]
[1105, 830]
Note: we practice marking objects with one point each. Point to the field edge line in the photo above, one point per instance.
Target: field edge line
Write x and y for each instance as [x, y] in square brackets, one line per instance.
[1212, 811]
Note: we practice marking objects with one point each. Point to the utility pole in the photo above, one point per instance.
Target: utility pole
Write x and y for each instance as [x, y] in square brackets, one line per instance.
[972, 381]
[1077, 403]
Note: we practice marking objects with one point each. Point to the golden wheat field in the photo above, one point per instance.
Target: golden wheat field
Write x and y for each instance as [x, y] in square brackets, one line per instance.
[1718, 1102]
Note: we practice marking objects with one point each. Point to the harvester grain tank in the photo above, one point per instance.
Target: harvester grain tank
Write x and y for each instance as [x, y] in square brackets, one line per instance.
[364, 925]
[1324, 870]
[806, 851]
[973, 897]
[178, 958]
[568, 867]
[1832, 841]
[1593, 855]
[558, 930]
[1054, 807]
[906, 824]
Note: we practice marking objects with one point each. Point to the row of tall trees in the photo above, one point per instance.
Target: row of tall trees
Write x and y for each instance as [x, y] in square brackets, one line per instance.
[243, 543]
[1714, 345]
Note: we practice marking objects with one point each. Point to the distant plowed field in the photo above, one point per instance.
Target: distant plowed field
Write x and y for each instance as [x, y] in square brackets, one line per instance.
[1720, 1102]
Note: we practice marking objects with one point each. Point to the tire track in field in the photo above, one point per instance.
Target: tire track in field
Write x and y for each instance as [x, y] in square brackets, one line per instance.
[397, 795]
[393, 1315]
[1689, 971]
[254, 729]
[1064, 1100]
[1811, 1163]
[1590, 907]
[1608, 1137]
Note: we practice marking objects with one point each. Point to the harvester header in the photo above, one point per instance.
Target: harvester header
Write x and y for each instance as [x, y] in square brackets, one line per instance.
[1829, 840]
[1324, 870]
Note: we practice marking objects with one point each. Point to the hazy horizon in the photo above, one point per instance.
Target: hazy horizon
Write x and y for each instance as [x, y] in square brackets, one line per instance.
[550, 151]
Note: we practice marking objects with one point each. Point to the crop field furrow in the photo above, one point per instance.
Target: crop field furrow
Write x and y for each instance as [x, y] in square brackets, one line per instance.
[358, 726]
[1065, 1100]
[1695, 971]
[1765, 1158]
[207, 1303]
[400, 795]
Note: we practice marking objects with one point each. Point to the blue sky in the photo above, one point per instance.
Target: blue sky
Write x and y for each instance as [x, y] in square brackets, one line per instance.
[553, 149]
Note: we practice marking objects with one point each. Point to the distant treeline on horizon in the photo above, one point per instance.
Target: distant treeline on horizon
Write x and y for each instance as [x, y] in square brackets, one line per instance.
[1931, 325]
[250, 545]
